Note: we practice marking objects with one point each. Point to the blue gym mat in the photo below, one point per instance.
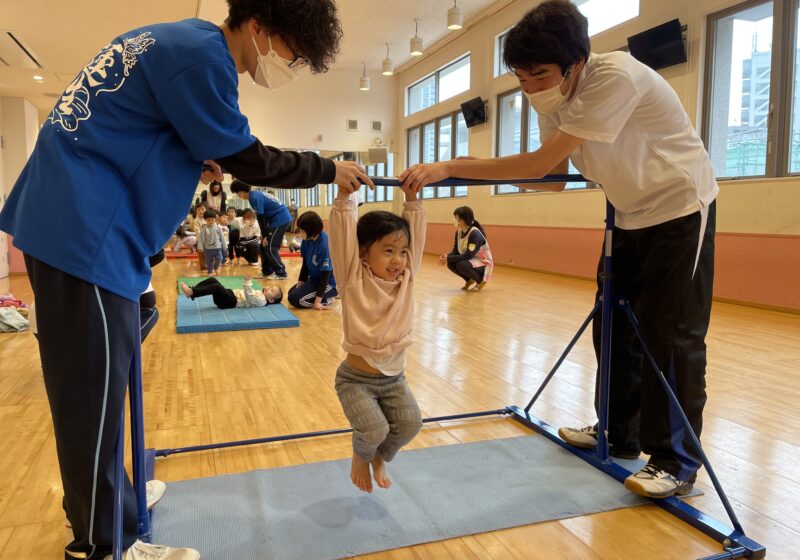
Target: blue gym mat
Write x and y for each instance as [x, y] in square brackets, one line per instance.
[313, 510]
[201, 315]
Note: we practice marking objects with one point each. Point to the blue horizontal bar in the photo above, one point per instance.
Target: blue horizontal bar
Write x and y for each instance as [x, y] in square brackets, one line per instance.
[456, 182]
[738, 552]
[304, 435]
[694, 517]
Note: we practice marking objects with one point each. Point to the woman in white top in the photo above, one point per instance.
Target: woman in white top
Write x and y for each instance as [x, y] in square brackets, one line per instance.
[624, 127]
[214, 198]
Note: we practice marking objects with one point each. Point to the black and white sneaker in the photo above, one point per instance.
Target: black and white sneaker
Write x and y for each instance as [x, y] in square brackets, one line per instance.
[652, 482]
[586, 438]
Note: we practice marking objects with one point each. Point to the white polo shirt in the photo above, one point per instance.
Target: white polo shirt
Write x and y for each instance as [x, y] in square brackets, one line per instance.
[640, 145]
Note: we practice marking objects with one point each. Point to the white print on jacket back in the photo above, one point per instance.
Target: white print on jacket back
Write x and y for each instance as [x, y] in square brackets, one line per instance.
[105, 73]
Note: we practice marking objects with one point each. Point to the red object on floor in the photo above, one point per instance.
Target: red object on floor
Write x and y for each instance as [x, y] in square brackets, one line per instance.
[179, 255]
[284, 255]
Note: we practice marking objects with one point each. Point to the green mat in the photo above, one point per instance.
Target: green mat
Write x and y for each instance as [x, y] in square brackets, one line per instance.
[232, 282]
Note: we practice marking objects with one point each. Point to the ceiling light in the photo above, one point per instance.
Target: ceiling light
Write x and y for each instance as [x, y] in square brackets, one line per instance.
[454, 17]
[363, 83]
[416, 42]
[38, 78]
[387, 68]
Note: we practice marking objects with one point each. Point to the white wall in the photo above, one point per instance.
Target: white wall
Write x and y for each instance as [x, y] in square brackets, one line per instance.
[20, 128]
[295, 115]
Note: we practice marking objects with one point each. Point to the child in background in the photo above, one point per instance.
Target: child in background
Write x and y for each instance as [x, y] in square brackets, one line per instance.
[296, 242]
[222, 220]
[233, 233]
[225, 298]
[249, 239]
[184, 238]
[376, 260]
[197, 222]
[211, 242]
[316, 286]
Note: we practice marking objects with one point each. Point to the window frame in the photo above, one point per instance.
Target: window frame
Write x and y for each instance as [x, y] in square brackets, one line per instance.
[524, 134]
[498, 60]
[453, 117]
[781, 95]
[436, 74]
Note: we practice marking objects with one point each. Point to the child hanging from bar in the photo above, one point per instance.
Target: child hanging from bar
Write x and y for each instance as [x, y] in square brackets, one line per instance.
[376, 260]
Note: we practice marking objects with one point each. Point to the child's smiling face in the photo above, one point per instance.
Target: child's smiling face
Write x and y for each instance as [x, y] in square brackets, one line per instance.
[388, 256]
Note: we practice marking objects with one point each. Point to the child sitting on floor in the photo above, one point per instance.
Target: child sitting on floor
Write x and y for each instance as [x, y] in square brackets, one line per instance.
[225, 298]
[376, 260]
[316, 286]
[249, 239]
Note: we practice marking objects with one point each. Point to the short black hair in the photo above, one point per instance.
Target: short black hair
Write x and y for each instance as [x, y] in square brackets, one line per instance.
[310, 28]
[278, 298]
[248, 213]
[240, 186]
[554, 32]
[210, 213]
[310, 222]
[374, 226]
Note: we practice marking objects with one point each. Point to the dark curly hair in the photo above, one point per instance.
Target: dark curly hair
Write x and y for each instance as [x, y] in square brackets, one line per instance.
[554, 32]
[374, 226]
[311, 28]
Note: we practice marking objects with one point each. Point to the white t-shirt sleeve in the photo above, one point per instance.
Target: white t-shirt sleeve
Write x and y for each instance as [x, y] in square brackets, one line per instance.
[546, 128]
[602, 108]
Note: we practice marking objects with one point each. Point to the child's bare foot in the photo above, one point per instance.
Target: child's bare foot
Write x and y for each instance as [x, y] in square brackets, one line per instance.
[359, 474]
[187, 291]
[379, 472]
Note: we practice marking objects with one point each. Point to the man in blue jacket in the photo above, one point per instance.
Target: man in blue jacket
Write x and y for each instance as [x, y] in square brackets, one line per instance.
[118, 160]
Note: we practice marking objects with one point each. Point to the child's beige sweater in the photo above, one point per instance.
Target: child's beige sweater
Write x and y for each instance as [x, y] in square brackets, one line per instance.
[378, 315]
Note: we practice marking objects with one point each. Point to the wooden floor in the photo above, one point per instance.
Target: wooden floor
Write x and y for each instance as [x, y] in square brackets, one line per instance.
[473, 352]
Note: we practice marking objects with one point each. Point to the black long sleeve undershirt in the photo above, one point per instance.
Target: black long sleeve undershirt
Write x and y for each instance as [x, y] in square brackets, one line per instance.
[322, 283]
[267, 166]
[303, 272]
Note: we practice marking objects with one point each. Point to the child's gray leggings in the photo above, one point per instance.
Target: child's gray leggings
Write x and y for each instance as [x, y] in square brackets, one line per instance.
[382, 411]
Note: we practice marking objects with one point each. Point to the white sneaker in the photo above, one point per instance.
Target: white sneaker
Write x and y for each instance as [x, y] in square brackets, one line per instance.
[272, 276]
[143, 551]
[155, 491]
[652, 482]
[586, 438]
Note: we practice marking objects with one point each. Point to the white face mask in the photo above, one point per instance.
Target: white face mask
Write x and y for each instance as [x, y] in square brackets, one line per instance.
[272, 71]
[548, 101]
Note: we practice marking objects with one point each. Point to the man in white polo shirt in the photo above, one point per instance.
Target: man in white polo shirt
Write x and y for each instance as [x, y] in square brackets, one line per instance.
[624, 127]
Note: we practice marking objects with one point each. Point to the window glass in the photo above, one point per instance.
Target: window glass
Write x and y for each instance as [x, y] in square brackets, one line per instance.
[740, 92]
[454, 79]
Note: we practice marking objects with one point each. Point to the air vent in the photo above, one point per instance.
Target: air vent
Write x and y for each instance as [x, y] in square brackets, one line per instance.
[352, 125]
[14, 52]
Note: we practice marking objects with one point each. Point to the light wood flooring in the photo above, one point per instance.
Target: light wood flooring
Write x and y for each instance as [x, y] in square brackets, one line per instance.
[473, 352]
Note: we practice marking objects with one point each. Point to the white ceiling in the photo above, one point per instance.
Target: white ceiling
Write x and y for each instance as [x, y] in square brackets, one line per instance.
[65, 35]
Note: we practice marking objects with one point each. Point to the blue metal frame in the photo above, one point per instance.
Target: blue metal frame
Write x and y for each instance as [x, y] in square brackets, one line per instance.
[736, 544]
